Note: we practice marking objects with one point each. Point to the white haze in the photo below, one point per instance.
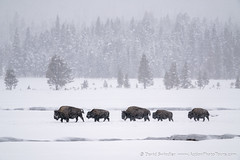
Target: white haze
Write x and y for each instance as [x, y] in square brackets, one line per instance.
[88, 10]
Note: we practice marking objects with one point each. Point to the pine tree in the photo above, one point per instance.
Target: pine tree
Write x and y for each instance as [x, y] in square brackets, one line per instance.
[58, 73]
[84, 84]
[120, 79]
[237, 83]
[173, 76]
[1, 62]
[10, 79]
[185, 80]
[29, 50]
[166, 81]
[17, 60]
[218, 85]
[144, 73]
[205, 79]
[126, 83]
[200, 82]
[105, 84]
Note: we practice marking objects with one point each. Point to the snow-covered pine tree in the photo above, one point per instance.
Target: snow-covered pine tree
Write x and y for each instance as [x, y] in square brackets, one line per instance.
[173, 76]
[218, 85]
[105, 84]
[200, 83]
[120, 79]
[205, 79]
[29, 50]
[17, 60]
[185, 81]
[126, 83]
[10, 79]
[84, 84]
[237, 83]
[58, 73]
[1, 62]
[144, 73]
[166, 80]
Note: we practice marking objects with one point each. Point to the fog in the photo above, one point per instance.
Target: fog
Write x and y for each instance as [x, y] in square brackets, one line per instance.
[31, 33]
[89, 10]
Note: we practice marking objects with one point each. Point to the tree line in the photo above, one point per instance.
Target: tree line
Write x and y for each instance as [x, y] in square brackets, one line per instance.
[100, 49]
[59, 74]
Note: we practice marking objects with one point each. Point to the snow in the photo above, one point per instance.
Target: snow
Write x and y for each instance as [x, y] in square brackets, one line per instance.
[214, 149]
[37, 133]
[29, 131]
[117, 98]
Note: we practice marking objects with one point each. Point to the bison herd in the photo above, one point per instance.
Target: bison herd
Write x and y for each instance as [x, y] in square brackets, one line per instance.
[133, 113]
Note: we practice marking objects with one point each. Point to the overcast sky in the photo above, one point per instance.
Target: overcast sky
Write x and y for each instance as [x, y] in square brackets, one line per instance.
[88, 10]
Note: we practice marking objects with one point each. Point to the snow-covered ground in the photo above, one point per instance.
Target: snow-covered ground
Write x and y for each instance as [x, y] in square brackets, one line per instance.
[117, 98]
[28, 133]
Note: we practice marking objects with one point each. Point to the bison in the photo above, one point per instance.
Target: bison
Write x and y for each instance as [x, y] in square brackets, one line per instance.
[68, 112]
[162, 114]
[198, 113]
[134, 113]
[98, 114]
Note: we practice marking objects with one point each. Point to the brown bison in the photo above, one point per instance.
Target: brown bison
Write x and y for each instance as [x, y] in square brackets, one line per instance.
[198, 113]
[98, 114]
[134, 113]
[162, 114]
[68, 112]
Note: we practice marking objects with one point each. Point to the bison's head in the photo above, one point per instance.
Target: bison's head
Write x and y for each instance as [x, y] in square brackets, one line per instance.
[89, 115]
[154, 115]
[124, 115]
[190, 114]
[56, 115]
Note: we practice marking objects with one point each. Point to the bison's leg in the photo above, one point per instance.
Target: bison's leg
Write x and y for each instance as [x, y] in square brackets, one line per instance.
[61, 119]
[108, 119]
[67, 120]
[145, 118]
[81, 118]
[148, 118]
[96, 119]
[203, 119]
[207, 118]
[76, 119]
[132, 119]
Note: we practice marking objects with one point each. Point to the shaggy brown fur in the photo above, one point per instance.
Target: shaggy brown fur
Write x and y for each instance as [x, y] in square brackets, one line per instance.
[198, 113]
[163, 114]
[68, 112]
[98, 114]
[134, 113]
